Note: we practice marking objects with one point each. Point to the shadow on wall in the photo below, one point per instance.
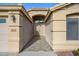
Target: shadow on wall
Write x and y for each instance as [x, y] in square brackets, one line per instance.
[33, 40]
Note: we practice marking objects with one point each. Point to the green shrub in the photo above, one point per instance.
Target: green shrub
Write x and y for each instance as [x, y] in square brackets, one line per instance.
[76, 52]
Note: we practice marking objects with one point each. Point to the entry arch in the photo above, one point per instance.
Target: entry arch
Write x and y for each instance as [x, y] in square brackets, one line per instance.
[39, 25]
[40, 16]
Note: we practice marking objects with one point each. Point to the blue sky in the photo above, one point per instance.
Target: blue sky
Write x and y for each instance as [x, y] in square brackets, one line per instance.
[38, 5]
[34, 5]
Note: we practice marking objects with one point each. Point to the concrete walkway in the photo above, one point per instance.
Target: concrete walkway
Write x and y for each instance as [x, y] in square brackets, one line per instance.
[37, 47]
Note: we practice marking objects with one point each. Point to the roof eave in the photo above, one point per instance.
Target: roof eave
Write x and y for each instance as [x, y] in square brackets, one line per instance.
[25, 12]
[59, 6]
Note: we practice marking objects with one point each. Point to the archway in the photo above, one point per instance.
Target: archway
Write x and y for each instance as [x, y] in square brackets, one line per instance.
[39, 28]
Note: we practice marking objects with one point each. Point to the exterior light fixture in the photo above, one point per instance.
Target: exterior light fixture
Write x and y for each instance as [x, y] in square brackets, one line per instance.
[13, 18]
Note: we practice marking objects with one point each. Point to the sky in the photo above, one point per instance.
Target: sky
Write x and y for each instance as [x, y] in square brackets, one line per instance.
[33, 5]
[38, 5]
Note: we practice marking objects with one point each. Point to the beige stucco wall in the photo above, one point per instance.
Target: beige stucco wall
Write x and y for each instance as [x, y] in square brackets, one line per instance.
[48, 30]
[26, 31]
[60, 42]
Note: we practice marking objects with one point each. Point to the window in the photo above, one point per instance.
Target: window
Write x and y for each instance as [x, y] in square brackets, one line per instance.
[72, 28]
[2, 20]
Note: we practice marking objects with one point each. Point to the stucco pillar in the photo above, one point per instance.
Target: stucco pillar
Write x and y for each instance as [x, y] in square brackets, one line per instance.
[13, 42]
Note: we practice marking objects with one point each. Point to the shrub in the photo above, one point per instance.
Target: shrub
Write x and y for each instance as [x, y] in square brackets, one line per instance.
[76, 52]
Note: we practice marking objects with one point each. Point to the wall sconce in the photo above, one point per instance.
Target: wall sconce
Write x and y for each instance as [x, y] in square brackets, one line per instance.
[13, 19]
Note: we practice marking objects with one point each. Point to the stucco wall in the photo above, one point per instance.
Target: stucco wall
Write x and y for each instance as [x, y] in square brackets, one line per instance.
[26, 31]
[48, 30]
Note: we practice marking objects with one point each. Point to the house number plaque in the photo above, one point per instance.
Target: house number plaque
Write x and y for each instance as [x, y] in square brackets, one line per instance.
[13, 30]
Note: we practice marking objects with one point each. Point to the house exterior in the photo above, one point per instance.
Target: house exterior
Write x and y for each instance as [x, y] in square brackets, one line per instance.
[58, 25]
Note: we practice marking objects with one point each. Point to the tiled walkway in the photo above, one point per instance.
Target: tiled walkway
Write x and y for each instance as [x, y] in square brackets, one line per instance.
[37, 47]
